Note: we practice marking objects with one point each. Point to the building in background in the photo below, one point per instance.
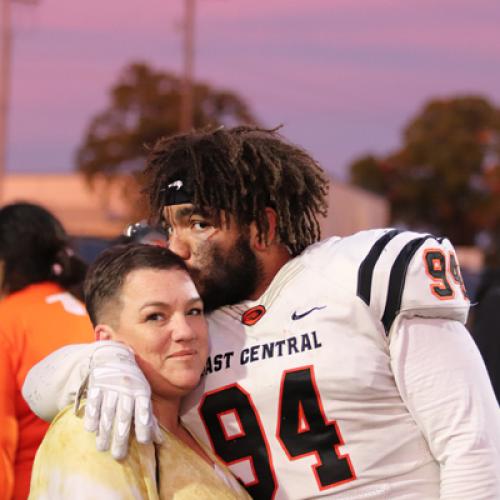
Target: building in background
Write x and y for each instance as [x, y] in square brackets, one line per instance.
[351, 209]
[83, 211]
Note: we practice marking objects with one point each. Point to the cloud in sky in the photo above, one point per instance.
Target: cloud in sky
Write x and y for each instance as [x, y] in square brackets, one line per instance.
[344, 76]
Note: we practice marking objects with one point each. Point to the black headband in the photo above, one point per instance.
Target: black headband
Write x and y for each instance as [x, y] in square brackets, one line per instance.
[177, 193]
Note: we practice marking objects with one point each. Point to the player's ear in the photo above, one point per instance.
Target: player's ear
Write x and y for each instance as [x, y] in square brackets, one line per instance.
[104, 332]
[272, 232]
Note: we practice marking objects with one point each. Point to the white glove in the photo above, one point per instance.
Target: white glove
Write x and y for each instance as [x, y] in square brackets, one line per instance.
[118, 393]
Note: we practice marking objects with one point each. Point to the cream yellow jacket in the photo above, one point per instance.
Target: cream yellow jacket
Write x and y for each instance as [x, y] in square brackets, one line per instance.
[68, 466]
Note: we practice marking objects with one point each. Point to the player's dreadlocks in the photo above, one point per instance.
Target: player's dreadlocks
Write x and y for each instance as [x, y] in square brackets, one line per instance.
[242, 171]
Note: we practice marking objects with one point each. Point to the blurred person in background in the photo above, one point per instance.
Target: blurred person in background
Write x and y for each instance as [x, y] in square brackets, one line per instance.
[38, 315]
[486, 314]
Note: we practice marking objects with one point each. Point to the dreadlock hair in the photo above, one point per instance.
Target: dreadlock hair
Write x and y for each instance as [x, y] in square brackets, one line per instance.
[242, 171]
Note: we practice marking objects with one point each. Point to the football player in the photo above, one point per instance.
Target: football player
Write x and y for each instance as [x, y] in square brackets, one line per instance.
[338, 368]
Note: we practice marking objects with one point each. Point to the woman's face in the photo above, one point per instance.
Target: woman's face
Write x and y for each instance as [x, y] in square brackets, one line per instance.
[161, 319]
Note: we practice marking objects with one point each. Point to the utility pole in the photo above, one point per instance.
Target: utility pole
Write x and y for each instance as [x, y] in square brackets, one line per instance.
[5, 71]
[186, 118]
[5, 66]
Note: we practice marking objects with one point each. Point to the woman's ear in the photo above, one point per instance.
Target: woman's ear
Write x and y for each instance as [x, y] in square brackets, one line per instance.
[104, 332]
[272, 232]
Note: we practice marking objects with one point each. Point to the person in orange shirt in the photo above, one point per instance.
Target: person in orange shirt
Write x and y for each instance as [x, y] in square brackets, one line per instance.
[38, 314]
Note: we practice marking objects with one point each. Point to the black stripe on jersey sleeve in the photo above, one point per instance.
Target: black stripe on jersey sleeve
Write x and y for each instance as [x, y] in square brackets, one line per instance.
[397, 280]
[365, 272]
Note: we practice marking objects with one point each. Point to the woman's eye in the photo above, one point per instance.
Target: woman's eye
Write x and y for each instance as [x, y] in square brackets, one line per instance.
[195, 311]
[154, 317]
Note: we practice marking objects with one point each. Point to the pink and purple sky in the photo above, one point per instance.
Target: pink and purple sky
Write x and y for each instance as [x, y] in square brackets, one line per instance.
[343, 76]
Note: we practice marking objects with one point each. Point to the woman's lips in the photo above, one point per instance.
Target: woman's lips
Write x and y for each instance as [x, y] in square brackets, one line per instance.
[184, 353]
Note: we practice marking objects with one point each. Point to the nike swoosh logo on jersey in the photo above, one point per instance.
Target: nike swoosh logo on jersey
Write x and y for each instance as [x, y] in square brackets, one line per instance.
[296, 316]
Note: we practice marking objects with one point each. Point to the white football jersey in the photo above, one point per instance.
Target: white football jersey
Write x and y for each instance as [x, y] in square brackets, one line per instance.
[298, 396]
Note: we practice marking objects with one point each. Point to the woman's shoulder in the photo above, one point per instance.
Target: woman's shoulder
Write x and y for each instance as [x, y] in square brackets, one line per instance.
[68, 456]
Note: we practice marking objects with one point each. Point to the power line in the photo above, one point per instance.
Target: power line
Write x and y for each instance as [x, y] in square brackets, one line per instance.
[5, 79]
[5, 67]
[186, 114]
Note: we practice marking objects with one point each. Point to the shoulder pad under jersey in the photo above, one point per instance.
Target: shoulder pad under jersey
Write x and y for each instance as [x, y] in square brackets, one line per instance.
[398, 272]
